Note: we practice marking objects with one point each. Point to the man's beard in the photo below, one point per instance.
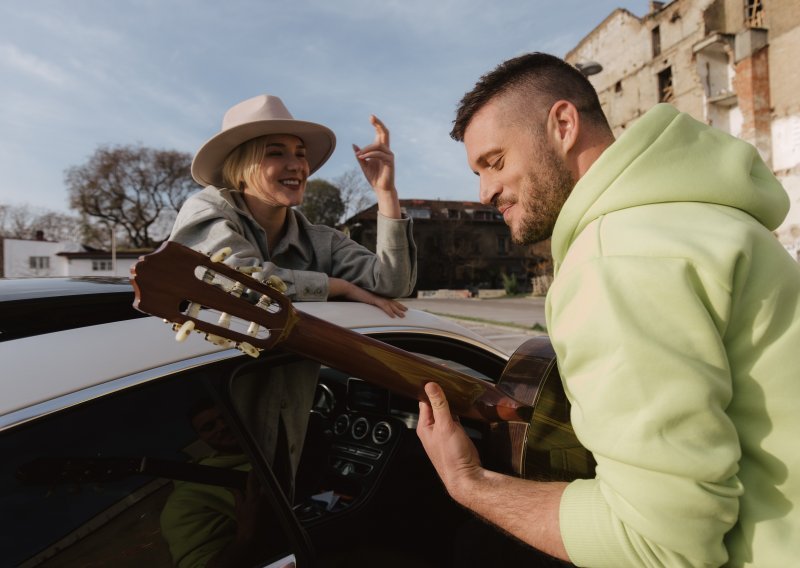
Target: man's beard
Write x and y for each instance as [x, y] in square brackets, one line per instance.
[542, 196]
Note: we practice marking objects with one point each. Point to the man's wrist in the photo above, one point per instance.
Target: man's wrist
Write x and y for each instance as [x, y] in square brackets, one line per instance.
[469, 485]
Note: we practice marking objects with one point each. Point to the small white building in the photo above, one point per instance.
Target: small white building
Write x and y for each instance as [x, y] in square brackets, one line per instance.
[27, 258]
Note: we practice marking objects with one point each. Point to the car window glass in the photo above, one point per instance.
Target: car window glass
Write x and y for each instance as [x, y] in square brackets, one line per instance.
[339, 432]
[72, 491]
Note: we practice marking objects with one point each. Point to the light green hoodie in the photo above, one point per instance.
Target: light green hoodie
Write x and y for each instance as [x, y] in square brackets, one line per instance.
[199, 520]
[675, 315]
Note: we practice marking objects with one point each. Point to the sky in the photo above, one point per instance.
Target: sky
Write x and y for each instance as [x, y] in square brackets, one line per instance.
[82, 74]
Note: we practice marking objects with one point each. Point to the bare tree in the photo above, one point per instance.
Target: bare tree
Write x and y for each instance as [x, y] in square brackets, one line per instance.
[135, 189]
[26, 222]
[17, 221]
[355, 192]
[58, 226]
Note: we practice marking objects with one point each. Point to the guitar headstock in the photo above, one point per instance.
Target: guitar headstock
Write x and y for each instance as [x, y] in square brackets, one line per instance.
[201, 293]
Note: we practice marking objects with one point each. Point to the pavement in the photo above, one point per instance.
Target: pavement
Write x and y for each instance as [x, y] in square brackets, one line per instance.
[506, 322]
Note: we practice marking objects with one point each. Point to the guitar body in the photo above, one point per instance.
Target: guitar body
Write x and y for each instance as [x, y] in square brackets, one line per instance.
[527, 411]
[544, 448]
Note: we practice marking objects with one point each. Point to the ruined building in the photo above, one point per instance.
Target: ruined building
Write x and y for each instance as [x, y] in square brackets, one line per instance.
[729, 63]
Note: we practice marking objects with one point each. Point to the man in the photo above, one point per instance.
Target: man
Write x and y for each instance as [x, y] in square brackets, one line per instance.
[208, 525]
[675, 315]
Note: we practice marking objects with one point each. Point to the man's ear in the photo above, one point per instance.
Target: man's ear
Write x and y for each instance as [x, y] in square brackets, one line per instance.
[563, 126]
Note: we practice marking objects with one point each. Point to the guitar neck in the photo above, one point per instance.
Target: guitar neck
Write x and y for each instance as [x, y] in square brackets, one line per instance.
[165, 279]
[398, 370]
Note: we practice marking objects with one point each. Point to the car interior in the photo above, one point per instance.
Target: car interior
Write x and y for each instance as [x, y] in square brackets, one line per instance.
[129, 479]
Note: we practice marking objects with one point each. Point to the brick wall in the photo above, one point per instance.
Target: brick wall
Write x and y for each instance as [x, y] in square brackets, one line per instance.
[751, 83]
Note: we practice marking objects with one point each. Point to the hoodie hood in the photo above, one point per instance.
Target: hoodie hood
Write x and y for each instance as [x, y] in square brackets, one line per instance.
[668, 156]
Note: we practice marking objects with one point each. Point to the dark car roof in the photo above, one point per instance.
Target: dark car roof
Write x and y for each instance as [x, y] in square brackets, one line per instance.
[33, 306]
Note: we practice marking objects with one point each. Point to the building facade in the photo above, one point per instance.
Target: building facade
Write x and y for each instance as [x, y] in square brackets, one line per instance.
[24, 258]
[728, 63]
[460, 245]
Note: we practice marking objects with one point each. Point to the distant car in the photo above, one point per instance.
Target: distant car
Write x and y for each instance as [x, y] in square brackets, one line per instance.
[96, 434]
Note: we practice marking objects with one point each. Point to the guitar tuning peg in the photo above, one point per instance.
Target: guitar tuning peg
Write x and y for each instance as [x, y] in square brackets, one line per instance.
[183, 331]
[249, 270]
[221, 254]
[217, 340]
[247, 349]
[277, 284]
[193, 309]
[236, 291]
[263, 303]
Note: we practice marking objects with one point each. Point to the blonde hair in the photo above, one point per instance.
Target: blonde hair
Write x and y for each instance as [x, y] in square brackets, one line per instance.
[243, 164]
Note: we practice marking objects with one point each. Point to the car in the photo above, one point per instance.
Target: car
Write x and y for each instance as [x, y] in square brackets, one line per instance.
[99, 437]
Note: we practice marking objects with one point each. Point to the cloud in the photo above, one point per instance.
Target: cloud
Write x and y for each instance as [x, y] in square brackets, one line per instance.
[29, 64]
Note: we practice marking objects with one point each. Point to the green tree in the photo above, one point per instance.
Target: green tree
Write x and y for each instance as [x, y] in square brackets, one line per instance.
[322, 203]
[133, 189]
[510, 284]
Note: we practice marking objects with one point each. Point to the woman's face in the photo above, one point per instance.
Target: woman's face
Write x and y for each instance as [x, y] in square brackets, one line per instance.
[284, 171]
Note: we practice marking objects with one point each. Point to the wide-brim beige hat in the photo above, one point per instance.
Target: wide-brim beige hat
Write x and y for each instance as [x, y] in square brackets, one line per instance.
[259, 116]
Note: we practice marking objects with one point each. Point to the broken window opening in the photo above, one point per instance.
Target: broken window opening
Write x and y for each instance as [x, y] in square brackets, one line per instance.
[754, 13]
[666, 91]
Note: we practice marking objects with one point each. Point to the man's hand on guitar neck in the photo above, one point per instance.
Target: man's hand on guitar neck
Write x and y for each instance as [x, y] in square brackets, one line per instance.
[529, 510]
[452, 453]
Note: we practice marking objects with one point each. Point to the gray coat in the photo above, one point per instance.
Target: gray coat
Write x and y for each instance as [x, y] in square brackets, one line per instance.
[307, 254]
[303, 259]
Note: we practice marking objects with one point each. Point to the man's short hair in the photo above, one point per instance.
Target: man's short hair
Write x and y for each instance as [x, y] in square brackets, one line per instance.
[542, 79]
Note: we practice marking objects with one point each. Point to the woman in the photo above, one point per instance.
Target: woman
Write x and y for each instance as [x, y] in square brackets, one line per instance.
[255, 171]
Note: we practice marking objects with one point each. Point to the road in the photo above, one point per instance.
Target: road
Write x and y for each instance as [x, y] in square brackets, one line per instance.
[506, 322]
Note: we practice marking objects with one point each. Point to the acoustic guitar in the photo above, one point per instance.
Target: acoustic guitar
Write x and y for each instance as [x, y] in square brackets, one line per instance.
[526, 410]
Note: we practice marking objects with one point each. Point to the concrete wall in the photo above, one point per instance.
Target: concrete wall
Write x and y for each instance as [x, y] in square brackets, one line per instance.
[784, 55]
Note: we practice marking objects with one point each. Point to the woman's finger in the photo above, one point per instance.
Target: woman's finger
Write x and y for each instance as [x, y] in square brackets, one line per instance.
[375, 155]
[381, 132]
[399, 309]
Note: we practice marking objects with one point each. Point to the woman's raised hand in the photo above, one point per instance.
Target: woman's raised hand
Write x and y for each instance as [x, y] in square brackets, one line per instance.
[377, 160]
[377, 163]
